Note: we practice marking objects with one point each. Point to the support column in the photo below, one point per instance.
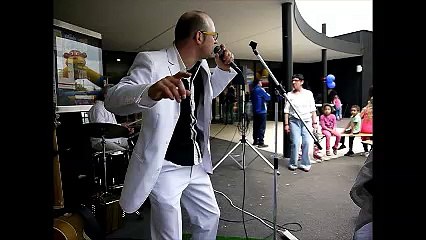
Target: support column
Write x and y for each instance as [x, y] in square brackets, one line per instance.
[287, 63]
[324, 68]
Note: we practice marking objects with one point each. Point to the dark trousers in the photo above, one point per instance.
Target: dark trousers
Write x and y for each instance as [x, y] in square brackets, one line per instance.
[229, 114]
[351, 142]
[365, 145]
[259, 126]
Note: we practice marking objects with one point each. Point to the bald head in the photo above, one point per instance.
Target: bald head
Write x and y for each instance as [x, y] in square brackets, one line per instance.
[189, 23]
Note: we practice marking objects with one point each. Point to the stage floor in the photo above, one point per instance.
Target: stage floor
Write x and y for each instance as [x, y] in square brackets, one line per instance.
[318, 200]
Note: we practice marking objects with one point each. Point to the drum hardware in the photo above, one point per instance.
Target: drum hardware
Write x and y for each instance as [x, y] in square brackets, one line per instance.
[131, 123]
[105, 131]
[117, 186]
[117, 163]
[131, 141]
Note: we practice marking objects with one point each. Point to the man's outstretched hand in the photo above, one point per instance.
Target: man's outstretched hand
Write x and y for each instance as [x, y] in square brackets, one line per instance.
[170, 87]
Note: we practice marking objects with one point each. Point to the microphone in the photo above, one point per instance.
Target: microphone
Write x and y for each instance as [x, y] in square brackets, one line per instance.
[219, 51]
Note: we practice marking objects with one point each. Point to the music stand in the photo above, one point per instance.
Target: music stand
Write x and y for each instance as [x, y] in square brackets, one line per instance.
[105, 131]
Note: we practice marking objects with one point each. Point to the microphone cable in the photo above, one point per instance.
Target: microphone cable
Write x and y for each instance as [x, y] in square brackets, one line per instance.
[262, 220]
[244, 193]
[230, 142]
[243, 129]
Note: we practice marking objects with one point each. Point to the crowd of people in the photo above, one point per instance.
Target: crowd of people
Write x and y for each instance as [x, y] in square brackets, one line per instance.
[298, 127]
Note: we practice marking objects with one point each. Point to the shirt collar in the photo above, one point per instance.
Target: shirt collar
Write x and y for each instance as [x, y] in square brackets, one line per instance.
[180, 61]
[182, 66]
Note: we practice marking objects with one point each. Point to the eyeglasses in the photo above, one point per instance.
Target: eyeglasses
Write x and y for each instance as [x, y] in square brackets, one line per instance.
[214, 34]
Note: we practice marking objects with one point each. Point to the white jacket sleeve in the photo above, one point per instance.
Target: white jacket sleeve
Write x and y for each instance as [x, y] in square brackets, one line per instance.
[220, 80]
[130, 95]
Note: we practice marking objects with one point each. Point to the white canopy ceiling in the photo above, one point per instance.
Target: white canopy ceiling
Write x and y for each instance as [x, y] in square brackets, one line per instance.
[137, 25]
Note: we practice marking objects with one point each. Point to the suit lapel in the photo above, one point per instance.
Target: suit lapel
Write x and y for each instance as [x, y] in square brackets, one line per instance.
[206, 80]
[205, 66]
[173, 61]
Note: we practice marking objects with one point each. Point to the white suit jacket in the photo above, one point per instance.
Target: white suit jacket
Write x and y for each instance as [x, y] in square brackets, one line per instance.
[159, 118]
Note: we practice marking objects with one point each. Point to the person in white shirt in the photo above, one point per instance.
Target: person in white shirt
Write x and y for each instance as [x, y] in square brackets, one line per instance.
[98, 114]
[303, 100]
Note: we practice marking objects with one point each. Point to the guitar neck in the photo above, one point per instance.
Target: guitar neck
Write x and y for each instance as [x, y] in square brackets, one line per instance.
[58, 197]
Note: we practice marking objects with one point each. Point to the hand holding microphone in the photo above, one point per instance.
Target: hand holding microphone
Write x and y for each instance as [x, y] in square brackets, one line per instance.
[224, 58]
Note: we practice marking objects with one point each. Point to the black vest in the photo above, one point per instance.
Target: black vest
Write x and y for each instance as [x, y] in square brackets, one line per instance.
[181, 147]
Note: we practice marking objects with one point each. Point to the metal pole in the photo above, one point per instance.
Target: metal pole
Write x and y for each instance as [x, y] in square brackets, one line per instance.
[275, 167]
[281, 91]
[324, 68]
[105, 164]
[287, 63]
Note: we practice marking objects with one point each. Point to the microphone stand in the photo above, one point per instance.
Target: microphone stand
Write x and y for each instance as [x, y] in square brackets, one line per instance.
[243, 141]
[279, 90]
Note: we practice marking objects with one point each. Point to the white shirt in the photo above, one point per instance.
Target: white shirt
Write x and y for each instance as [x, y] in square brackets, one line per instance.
[98, 114]
[304, 103]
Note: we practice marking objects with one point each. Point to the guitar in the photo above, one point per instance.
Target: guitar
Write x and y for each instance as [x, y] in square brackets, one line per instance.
[68, 227]
[58, 197]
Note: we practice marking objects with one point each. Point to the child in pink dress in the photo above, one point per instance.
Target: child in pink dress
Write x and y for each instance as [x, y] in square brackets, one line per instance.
[328, 128]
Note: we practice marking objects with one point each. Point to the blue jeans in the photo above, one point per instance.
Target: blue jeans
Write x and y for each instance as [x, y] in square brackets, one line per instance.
[298, 130]
[338, 113]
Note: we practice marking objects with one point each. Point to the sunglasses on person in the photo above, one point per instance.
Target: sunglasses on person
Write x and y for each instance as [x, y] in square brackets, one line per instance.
[214, 34]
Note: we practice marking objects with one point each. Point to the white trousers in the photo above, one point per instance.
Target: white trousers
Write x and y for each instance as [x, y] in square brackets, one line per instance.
[191, 186]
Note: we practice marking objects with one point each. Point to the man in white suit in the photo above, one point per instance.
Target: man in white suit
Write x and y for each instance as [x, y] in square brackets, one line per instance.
[171, 162]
